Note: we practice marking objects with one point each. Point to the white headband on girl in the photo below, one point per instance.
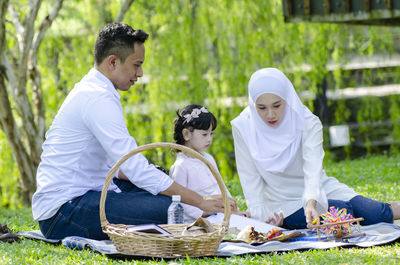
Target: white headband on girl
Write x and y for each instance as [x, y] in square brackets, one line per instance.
[195, 114]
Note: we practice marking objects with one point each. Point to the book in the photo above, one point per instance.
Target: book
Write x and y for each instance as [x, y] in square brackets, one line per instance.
[148, 228]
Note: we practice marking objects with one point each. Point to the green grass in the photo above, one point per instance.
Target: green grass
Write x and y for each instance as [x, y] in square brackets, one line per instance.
[377, 177]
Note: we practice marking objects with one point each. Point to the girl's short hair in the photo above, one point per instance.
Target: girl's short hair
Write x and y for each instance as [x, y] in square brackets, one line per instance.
[193, 117]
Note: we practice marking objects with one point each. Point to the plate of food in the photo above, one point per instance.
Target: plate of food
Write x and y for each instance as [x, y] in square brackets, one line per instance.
[253, 237]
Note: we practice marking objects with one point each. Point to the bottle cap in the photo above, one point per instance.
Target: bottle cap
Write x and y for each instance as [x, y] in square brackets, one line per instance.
[176, 198]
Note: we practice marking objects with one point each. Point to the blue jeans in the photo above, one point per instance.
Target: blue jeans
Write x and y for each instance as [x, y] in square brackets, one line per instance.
[81, 216]
[373, 212]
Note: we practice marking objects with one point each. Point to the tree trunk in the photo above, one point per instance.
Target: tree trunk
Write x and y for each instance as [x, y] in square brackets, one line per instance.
[26, 153]
[8, 124]
[27, 169]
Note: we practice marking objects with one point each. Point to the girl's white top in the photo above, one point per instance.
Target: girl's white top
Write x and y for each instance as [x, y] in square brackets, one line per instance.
[280, 168]
[194, 174]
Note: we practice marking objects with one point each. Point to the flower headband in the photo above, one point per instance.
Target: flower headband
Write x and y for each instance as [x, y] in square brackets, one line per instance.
[195, 114]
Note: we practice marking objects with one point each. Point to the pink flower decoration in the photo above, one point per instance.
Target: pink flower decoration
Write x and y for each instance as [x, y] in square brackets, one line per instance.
[195, 114]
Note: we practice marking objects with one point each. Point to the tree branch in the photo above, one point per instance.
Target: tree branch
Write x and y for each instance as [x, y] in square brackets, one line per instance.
[12, 79]
[17, 25]
[3, 75]
[29, 29]
[34, 74]
[21, 98]
[3, 11]
[124, 8]
[45, 25]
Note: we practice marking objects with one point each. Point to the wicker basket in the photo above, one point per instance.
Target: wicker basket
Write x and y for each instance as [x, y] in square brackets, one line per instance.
[161, 245]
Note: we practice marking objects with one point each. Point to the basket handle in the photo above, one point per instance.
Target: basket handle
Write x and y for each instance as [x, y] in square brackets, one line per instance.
[227, 210]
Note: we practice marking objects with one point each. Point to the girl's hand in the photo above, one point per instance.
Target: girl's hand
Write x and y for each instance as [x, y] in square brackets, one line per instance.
[277, 220]
[310, 211]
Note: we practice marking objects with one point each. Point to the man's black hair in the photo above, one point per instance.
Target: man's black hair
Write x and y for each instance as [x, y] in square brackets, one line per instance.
[117, 39]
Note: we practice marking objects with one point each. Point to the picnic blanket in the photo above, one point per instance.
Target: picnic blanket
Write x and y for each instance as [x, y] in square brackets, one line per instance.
[377, 234]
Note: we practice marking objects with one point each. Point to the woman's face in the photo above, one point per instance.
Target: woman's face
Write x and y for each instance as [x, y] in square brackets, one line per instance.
[271, 109]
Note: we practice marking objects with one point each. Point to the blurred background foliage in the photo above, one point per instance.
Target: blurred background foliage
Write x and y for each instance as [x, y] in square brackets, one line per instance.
[204, 52]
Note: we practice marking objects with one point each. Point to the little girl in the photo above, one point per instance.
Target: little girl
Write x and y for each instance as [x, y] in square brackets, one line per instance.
[194, 128]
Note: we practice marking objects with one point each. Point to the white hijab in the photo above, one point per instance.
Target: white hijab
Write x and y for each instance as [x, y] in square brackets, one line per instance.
[272, 148]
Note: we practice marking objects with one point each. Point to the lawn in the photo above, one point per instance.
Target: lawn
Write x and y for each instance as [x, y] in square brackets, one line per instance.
[377, 177]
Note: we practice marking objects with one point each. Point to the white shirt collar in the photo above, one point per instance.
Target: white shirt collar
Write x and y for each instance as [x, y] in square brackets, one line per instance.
[103, 81]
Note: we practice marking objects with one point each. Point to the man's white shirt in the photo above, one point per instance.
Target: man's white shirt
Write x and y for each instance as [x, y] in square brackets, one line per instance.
[87, 137]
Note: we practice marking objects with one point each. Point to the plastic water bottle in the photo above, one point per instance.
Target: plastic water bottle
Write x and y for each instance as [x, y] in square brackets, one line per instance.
[175, 211]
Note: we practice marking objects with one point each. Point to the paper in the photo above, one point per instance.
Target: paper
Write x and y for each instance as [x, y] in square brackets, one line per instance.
[148, 228]
[241, 222]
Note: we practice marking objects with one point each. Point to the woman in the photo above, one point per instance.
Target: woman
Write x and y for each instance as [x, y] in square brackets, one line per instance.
[279, 156]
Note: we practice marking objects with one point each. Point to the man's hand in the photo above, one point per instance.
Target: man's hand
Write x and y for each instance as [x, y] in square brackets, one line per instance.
[215, 203]
[310, 211]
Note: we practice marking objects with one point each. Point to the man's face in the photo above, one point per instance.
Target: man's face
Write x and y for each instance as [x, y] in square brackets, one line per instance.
[126, 74]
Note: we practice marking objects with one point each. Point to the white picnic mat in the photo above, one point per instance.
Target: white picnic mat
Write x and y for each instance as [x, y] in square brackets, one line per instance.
[378, 234]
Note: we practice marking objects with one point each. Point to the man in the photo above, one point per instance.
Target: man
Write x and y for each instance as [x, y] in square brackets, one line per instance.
[87, 136]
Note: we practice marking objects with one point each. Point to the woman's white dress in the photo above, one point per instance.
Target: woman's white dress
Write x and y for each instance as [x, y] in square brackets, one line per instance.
[303, 179]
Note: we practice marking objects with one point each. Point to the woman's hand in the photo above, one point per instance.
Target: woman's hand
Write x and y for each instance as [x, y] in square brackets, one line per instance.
[310, 211]
[245, 214]
[277, 220]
